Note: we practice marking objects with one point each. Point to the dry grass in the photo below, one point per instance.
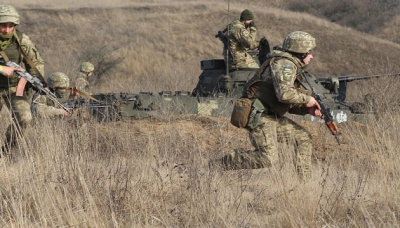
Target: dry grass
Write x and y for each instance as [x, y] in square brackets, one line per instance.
[150, 173]
[154, 173]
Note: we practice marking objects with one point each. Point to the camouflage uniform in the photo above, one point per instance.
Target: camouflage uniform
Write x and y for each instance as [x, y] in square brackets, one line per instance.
[42, 105]
[81, 82]
[274, 86]
[19, 48]
[240, 40]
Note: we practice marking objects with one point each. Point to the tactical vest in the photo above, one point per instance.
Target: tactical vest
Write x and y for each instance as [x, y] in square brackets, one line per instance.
[263, 88]
[13, 54]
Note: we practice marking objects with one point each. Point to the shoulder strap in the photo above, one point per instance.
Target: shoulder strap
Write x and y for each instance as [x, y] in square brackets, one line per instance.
[40, 76]
[4, 55]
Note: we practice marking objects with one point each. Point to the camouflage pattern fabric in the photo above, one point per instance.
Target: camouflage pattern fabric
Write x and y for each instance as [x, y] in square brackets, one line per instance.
[82, 84]
[43, 106]
[33, 54]
[265, 137]
[19, 106]
[274, 86]
[21, 115]
[240, 40]
[299, 42]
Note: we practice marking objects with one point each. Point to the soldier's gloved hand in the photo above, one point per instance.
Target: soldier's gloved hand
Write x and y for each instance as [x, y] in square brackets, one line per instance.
[253, 26]
[263, 41]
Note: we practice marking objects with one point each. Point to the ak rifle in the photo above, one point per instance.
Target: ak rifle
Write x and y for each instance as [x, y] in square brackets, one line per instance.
[35, 82]
[325, 110]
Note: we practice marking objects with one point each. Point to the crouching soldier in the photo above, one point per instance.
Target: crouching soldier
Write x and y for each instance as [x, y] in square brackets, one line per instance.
[274, 93]
[58, 83]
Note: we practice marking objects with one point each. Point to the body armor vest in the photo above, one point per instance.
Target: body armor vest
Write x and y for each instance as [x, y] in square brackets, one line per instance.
[261, 87]
[14, 55]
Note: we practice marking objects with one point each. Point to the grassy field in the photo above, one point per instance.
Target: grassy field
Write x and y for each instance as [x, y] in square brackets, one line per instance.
[154, 173]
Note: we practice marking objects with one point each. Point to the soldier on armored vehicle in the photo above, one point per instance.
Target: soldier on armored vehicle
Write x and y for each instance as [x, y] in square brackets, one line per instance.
[242, 57]
[240, 35]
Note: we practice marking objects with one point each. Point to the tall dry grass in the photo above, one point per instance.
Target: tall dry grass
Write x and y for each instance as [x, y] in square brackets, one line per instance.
[150, 173]
[154, 173]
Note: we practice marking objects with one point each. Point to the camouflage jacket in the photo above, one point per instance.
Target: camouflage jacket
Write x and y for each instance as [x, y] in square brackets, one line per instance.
[274, 84]
[43, 106]
[240, 40]
[82, 84]
[13, 53]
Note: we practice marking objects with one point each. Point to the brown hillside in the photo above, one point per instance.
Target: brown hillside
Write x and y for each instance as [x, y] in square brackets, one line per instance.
[160, 45]
[71, 172]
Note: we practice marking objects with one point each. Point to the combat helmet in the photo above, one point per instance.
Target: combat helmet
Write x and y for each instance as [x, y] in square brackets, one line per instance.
[58, 80]
[87, 67]
[8, 14]
[298, 42]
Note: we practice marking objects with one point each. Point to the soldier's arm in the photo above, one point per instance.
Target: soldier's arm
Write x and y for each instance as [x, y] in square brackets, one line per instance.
[81, 84]
[33, 54]
[247, 39]
[42, 109]
[284, 75]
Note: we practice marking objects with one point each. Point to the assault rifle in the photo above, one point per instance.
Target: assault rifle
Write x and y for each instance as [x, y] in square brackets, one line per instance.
[36, 84]
[325, 110]
[338, 85]
[220, 35]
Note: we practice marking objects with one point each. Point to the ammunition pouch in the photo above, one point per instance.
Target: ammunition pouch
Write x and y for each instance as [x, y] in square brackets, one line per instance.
[241, 112]
[246, 113]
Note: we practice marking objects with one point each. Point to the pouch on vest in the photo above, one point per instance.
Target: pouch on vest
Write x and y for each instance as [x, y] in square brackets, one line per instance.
[257, 108]
[241, 112]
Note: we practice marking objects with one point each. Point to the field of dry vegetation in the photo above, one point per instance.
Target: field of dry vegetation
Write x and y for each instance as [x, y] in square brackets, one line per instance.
[154, 172]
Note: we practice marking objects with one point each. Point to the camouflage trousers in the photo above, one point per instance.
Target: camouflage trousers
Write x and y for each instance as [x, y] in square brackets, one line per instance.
[243, 60]
[265, 138]
[21, 115]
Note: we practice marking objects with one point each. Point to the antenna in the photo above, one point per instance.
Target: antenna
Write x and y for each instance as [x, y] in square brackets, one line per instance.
[228, 48]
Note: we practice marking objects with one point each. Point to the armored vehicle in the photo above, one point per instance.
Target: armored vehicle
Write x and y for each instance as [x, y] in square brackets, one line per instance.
[214, 95]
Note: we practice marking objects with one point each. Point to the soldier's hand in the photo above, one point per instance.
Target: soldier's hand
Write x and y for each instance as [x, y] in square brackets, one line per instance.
[8, 71]
[65, 113]
[313, 103]
[314, 111]
[253, 25]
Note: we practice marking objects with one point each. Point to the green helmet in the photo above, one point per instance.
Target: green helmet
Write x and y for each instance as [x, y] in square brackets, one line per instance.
[58, 79]
[87, 67]
[8, 14]
[298, 42]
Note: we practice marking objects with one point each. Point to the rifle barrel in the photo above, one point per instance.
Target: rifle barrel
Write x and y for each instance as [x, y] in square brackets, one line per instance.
[355, 78]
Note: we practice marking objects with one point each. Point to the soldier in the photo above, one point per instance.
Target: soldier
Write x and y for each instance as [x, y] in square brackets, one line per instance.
[16, 46]
[58, 83]
[241, 36]
[81, 82]
[274, 87]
